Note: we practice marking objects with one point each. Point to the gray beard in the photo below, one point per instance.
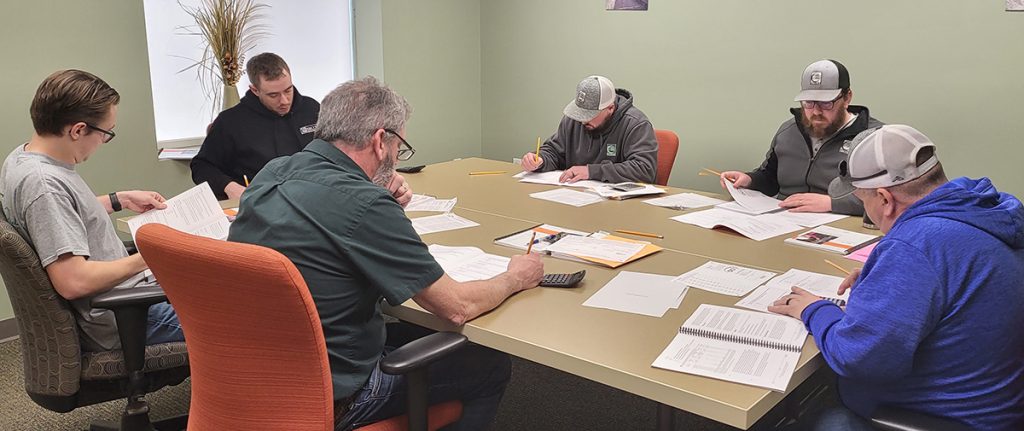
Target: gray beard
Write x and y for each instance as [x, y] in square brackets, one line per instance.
[384, 173]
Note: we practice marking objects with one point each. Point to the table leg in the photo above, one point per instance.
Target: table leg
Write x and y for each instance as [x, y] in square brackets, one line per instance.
[666, 418]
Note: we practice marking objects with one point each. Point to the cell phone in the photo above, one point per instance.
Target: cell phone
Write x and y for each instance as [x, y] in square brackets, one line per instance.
[563, 280]
[410, 169]
[627, 187]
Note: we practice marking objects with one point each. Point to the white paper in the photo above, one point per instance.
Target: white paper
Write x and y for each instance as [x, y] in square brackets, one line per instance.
[177, 153]
[819, 284]
[441, 223]
[430, 203]
[640, 293]
[724, 278]
[546, 235]
[753, 200]
[608, 191]
[194, 211]
[468, 263]
[568, 197]
[806, 219]
[551, 178]
[684, 201]
[742, 360]
[753, 227]
[597, 248]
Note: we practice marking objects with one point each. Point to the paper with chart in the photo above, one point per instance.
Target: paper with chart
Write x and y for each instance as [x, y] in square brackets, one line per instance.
[723, 278]
[468, 263]
[822, 285]
[752, 200]
[597, 248]
[736, 345]
[430, 203]
[568, 197]
[551, 178]
[639, 293]
[194, 211]
[684, 201]
[753, 227]
[441, 223]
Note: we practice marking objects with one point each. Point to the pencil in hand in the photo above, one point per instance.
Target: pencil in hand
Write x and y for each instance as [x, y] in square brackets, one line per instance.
[533, 239]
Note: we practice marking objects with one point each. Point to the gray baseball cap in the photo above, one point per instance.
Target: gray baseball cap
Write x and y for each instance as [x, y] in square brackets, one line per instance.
[593, 94]
[823, 81]
[884, 157]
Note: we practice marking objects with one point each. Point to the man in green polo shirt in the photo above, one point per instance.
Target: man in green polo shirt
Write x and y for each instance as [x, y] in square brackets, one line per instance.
[328, 208]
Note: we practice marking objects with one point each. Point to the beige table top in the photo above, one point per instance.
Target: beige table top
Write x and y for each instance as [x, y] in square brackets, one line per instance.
[551, 327]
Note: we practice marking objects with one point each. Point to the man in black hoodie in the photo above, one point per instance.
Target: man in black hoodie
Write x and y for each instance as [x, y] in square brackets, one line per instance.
[806, 151]
[272, 120]
[602, 137]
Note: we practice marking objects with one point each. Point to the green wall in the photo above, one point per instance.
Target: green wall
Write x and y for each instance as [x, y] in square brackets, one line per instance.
[723, 73]
[105, 37]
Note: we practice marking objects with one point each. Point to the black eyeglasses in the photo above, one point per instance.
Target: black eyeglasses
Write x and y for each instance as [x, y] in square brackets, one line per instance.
[405, 151]
[824, 106]
[110, 134]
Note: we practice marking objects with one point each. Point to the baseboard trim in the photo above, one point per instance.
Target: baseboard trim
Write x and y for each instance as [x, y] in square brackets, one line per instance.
[8, 329]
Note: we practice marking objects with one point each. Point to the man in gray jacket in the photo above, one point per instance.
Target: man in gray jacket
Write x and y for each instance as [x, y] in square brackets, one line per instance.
[602, 137]
[805, 153]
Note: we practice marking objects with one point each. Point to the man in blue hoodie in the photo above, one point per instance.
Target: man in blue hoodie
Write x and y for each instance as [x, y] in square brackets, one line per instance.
[934, 318]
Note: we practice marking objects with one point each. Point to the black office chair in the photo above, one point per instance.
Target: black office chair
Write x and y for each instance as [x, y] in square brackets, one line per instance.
[59, 376]
[892, 419]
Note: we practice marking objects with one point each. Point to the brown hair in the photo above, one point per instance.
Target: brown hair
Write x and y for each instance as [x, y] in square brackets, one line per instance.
[267, 65]
[70, 96]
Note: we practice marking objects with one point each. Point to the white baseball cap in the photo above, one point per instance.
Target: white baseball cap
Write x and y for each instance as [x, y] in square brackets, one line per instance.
[884, 157]
[822, 81]
[593, 94]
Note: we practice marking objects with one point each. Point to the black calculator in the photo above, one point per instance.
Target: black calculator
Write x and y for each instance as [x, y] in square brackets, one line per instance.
[563, 280]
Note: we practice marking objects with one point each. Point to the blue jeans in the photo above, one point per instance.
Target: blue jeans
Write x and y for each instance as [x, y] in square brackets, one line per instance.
[162, 325]
[474, 374]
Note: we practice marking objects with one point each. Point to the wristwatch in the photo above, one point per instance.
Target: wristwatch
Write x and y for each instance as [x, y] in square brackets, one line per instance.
[115, 204]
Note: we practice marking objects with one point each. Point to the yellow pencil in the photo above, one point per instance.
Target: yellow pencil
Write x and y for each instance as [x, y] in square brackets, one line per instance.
[246, 180]
[633, 232]
[487, 172]
[538, 148]
[834, 265]
[712, 171]
[532, 239]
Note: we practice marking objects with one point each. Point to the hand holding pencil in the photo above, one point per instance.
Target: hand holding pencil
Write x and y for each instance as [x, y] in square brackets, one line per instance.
[532, 161]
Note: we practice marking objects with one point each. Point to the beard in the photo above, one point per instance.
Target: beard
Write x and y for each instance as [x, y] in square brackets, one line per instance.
[385, 172]
[821, 132]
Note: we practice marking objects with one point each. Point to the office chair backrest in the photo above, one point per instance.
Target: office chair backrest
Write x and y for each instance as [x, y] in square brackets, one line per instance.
[50, 349]
[256, 348]
[668, 146]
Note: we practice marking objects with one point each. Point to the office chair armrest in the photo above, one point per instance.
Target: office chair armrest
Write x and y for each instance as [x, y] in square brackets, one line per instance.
[421, 352]
[134, 297]
[130, 247]
[893, 419]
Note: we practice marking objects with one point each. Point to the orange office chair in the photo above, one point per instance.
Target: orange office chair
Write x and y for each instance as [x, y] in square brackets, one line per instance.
[256, 347]
[668, 145]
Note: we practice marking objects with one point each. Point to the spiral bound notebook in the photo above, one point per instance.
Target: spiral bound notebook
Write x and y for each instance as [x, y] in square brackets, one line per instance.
[736, 345]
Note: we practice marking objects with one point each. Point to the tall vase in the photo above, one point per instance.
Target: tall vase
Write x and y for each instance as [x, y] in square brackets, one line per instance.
[230, 96]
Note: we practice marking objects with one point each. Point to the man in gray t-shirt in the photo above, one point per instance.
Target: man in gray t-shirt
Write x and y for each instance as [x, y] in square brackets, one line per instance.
[51, 206]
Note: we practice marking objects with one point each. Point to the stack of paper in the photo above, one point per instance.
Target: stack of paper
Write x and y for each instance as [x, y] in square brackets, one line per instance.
[468, 263]
[725, 279]
[640, 293]
[757, 228]
[195, 211]
[833, 239]
[752, 201]
[805, 219]
[684, 201]
[177, 153]
[430, 203]
[596, 248]
[568, 197]
[551, 178]
[441, 223]
[822, 285]
[615, 191]
[541, 235]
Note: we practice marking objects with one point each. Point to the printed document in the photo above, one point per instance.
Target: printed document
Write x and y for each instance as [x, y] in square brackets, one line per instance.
[551, 178]
[753, 227]
[542, 236]
[639, 293]
[596, 248]
[805, 219]
[736, 345]
[441, 223]
[430, 203]
[822, 285]
[568, 197]
[724, 278]
[468, 263]
[752, 200]
[194, 211]
[683, 201]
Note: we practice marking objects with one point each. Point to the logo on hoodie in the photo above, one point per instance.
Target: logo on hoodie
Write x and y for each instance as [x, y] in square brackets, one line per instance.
[845, 149]
[611, 150]
[307, 129]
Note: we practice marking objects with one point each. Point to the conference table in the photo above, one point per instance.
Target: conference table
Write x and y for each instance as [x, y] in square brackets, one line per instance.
[552, 327]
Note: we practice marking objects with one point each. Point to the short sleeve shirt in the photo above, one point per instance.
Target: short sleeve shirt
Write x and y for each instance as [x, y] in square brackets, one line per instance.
[56, 212]
[350, 240]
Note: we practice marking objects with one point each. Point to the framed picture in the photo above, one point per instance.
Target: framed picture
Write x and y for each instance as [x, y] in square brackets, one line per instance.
[630, 4]
[1011, 5]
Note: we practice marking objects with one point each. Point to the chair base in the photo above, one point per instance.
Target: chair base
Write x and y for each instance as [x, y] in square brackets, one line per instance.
[176, 423]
